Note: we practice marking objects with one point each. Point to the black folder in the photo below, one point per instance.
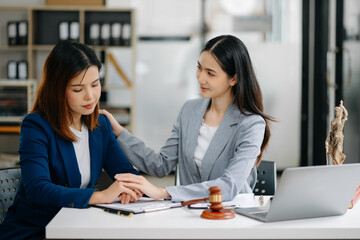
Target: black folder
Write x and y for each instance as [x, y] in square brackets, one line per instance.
[74, 31]
[12, 33]
[63, 30]
[22, 32]
[94, 34]
[126, 34]
[105, 33]
[22, 70]
[12, 70]
[116, 34]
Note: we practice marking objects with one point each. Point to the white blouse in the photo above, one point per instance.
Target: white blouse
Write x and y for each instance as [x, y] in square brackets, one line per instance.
[82, 153]
[206, 134]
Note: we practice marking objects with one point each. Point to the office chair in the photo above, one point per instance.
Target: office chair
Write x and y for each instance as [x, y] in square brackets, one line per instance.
[104, 181]
[266, 178]
[9, 184]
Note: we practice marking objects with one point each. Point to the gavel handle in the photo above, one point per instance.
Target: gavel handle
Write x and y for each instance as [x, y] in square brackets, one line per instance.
[194, 201]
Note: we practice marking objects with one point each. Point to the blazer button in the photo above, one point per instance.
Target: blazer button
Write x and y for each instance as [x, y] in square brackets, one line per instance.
[71, 205]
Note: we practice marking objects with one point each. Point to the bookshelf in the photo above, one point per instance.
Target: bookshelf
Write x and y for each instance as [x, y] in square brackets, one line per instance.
[118, 56]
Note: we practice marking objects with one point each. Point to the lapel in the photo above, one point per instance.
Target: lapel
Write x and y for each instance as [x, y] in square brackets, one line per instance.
[219, 141]
[193, 134]
[67, 153]
[95, 154]
[68, 156]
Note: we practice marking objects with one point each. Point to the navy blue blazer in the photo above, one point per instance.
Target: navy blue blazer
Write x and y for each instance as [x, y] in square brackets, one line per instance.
[50, 173]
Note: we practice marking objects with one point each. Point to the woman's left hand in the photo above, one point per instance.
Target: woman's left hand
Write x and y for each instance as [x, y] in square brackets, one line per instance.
[139, 182]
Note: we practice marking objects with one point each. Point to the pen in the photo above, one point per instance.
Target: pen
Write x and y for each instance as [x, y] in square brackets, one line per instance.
[118, 212]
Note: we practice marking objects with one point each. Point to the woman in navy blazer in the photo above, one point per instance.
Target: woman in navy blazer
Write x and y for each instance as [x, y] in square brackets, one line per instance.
[56, 171]
[217, 140]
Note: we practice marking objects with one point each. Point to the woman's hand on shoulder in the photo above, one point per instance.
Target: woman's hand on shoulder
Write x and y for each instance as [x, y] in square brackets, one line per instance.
[116, 127]
[139, 182]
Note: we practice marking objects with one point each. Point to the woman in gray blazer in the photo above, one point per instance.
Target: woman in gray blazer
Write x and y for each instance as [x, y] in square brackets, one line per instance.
[217, 140]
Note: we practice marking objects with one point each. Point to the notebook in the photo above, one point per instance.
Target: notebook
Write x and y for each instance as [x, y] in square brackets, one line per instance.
[308, 192]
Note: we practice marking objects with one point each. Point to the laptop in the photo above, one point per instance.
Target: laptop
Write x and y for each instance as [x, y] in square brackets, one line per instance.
[308, 192]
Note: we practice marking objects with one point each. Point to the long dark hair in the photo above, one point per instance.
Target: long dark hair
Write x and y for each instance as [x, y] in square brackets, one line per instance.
[233, 57]
[66, 61]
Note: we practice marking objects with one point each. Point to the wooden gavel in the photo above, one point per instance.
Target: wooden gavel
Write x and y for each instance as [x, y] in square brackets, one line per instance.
[216, 210]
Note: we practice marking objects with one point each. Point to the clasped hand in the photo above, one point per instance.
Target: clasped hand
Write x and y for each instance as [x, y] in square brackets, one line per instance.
[128, 188]
[116, 190]
[139, 184]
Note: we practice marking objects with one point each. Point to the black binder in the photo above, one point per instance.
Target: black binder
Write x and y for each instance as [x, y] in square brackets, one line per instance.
[74, 31]
[22, 70]
[22, 32]
[126, 34]
[12, 33]
[12, 70]
[63, 30]
[94, 34]
[105, 34]
[116, 34]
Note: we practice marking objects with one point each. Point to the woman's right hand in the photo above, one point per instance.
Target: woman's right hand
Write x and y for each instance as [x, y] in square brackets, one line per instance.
[115, 125]
[115, 190]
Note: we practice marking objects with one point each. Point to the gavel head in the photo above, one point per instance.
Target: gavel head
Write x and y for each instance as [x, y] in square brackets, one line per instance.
[215, 198]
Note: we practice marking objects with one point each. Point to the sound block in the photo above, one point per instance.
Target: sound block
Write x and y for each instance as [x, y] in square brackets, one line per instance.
[218, 215]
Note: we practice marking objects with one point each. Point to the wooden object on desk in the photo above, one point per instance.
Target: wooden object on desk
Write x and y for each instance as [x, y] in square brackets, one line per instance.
[194, 201]
[216, 211]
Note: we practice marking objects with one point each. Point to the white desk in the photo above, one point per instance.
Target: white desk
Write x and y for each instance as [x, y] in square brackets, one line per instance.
[184, 223]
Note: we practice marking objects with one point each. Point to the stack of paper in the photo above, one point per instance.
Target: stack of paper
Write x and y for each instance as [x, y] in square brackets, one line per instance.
[143, 205]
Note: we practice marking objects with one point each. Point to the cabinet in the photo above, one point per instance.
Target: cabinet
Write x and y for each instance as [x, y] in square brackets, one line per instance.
[43, 24]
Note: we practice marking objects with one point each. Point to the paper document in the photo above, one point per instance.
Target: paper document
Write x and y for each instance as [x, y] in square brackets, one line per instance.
[243, 200]
[143, 205]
